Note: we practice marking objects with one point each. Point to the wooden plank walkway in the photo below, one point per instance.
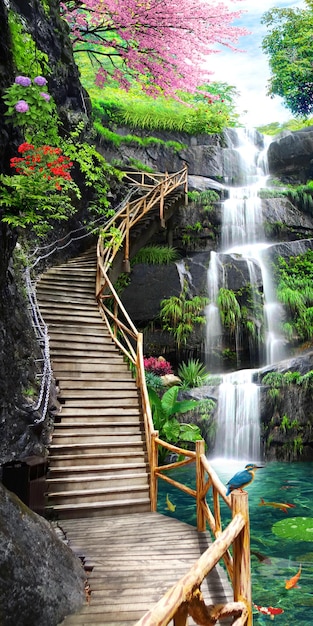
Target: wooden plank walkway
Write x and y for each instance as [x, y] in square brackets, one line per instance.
[135, 559]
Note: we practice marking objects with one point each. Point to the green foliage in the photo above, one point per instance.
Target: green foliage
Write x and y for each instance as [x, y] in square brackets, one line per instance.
[95, 171]
[156, 255]
[287, 424]
[117, 140]
[192, 115]
[205, 198]
[229, 309]
[294, 124]
[295, 291]
[28, 59]
[288, 46]
[170, 429]
[273, 379]
[193, 373]
[179, 315]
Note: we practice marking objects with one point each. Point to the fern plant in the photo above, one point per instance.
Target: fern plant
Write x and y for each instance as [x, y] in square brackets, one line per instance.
[180, 315]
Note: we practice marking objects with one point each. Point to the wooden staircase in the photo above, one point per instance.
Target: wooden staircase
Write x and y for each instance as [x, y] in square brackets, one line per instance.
[97, 463]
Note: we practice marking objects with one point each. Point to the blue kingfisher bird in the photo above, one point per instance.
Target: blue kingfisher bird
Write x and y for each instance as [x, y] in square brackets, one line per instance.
[243, 478]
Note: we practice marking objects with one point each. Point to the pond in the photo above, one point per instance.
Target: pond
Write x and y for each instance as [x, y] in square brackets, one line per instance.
[281, 540]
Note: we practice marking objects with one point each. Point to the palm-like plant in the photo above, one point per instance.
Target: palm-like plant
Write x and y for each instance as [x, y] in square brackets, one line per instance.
[193, 373]
[170, 429]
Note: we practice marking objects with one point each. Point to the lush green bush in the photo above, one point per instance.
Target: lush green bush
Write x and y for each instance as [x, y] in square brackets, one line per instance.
[170, 429]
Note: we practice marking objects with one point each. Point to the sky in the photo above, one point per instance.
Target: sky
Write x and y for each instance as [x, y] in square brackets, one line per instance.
[249, 71]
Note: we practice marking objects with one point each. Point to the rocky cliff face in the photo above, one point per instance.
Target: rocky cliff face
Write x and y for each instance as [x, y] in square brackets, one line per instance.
[19, 350]
[290, 156]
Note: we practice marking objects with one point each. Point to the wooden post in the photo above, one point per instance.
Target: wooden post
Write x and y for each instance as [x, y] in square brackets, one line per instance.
[126, 267]
[162, 220]
[181, 616]
[186, 185]
[200, 449]
[241, 554]
[153, 466]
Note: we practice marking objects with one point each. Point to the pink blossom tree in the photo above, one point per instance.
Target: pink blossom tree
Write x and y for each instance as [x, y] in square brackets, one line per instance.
[161, 44]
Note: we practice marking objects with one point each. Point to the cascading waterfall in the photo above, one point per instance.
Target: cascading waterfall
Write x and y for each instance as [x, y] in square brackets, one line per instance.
[238, 428]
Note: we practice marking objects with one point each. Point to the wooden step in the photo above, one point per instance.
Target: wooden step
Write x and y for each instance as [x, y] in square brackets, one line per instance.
[81, 383]
[90, 378]
[93, 480]
[110, 458]
[80, 472]
[99, 413]
[115, 404]
[71, 428]
[98, 416]
[69, 395]
[123, 437]
[74, 366]
[92, 496]
[114, 447]
[95, 330]
[94, 509]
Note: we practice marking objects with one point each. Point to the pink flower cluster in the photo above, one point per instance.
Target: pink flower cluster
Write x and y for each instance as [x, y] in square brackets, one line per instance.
[163, 45]
[157, 365]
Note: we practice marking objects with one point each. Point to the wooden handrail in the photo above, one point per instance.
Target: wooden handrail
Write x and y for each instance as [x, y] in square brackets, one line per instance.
[185, 597]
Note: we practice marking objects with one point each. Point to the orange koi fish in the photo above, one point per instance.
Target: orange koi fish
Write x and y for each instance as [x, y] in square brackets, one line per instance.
[268, 610]
[292, 582]
[283, 506]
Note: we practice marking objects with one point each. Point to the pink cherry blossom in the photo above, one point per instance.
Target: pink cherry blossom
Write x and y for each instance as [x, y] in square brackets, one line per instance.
[163, 44]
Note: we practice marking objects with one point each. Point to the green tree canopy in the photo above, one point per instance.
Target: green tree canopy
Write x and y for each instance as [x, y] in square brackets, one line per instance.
[290, 51]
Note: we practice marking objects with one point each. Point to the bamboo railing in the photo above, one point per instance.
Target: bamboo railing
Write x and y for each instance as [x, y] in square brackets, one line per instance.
[185, 597]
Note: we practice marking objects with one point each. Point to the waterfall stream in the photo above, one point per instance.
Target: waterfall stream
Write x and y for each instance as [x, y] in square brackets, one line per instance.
[242, 239]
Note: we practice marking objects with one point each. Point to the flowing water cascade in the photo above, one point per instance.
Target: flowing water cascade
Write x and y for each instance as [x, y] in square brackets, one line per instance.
[242, 240]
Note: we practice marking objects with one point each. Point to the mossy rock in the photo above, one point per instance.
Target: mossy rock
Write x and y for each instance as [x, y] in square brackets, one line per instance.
[299, 528]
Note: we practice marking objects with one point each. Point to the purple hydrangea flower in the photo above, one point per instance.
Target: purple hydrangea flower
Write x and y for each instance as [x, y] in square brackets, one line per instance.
[40, 80]
[45, 95]
[23, 80]
[21, 106]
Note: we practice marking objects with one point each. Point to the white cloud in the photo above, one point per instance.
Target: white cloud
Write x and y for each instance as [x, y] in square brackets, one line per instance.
[248, 71]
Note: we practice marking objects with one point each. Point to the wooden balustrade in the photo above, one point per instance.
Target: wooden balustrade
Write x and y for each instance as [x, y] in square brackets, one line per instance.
[185, 597]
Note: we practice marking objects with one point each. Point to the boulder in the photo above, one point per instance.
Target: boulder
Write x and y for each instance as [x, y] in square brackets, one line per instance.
[290, 155]
[41, 580]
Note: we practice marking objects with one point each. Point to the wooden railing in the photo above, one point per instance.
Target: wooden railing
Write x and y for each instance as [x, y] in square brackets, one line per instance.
[116, 231]
[185, 597]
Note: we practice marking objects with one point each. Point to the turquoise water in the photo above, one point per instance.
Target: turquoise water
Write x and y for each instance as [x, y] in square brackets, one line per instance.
[278, 557]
